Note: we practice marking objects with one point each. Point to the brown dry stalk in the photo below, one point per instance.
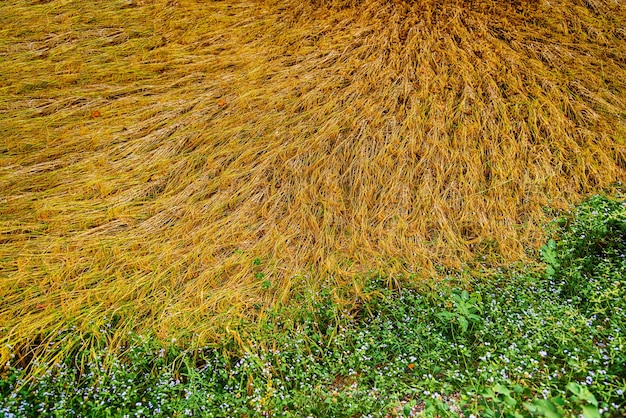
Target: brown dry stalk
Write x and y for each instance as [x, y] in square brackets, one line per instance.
[150, 151]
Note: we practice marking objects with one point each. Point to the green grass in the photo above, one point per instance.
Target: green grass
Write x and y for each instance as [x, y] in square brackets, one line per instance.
[544, 339]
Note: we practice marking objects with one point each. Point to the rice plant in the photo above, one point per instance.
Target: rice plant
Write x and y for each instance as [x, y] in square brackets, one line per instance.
[175, 166]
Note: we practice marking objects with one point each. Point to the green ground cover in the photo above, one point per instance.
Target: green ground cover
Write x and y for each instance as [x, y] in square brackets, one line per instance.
[543, 340]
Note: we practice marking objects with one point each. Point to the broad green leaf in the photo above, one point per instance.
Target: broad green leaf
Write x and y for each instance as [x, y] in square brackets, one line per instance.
[463, 322]
[462, 307]
[547, 408]
[498, 388]
[588, 396]
[530, 407]
[445, 315]
[488, 393]
[591, 411]
[582, 393]
[474, 318]
[509, 401]
[489, 413]
[575, 388]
